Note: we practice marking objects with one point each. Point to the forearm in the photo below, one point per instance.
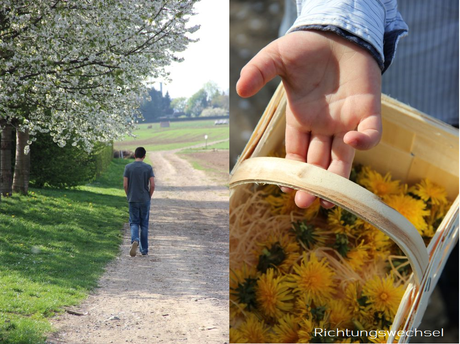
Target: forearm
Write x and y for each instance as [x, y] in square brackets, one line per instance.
[152, 186]
[125, 185]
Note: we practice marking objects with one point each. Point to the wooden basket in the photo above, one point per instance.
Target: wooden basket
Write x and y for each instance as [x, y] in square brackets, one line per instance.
[413, 146]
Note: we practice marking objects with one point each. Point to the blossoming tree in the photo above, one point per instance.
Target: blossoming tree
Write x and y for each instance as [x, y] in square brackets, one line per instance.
[76, 69]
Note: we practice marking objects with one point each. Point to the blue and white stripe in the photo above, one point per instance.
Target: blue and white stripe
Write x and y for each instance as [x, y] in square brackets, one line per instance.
[369, 20]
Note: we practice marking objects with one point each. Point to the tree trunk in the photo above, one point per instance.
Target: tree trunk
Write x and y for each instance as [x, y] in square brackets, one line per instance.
[5, 162]
[22, 165]
[27, 167]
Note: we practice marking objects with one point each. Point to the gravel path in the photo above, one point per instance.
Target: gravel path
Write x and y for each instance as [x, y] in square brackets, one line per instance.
[177, 294]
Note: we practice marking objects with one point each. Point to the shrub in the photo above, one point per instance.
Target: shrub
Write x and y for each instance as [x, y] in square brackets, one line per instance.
[102, 154]
[68, 166]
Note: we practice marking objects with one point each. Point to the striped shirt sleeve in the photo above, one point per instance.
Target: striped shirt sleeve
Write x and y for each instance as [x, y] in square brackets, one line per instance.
[376, 22]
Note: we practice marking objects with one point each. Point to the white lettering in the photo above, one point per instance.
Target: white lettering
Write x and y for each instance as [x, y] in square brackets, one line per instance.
[320, 333]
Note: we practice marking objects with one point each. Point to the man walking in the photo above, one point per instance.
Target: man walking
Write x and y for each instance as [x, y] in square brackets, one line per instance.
[139, 185]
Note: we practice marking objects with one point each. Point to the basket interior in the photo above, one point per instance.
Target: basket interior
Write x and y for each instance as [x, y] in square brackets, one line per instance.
[414, 146]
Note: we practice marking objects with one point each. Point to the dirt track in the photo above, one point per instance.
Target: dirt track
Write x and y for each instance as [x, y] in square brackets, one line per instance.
[177, 294]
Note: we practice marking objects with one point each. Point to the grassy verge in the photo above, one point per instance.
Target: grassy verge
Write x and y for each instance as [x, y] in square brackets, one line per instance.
[54, 245]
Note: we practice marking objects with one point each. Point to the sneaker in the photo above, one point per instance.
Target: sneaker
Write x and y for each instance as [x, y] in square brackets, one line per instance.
[133, 250]
[145, 254]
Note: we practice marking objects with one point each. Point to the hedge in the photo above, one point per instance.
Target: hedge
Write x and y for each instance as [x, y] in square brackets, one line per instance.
[66, 166]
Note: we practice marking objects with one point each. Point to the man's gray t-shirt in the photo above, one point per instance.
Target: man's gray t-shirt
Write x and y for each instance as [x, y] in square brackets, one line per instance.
[138, 174]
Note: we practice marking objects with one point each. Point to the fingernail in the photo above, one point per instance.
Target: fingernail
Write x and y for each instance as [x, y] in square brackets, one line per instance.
[326, 204]
[285, 189]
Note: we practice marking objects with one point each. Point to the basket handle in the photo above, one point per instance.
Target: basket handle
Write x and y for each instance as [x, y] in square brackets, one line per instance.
[342, 192]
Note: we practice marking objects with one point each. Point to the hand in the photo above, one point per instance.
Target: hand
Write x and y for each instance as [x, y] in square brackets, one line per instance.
[333, 90]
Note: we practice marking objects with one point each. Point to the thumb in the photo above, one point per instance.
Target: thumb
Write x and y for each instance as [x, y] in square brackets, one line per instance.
[261, 69]
[368, 134]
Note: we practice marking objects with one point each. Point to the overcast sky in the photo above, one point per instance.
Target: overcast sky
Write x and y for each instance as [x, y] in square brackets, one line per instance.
[208, 59]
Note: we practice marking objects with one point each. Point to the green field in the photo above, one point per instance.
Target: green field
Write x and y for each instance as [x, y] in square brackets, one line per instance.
[178, 135]
[224, 145]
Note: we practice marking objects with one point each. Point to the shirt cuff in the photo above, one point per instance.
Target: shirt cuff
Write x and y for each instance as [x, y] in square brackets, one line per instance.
[349, 37]
[376, 25]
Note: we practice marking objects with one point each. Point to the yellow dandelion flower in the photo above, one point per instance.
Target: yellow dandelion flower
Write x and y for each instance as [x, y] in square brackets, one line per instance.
[281, 203]
[357, 257]
[243, 283]
[314, 278]
[437, 214]
[342, 221]
[380, 336]
[273, 295]
[277, 251]
[312, 211]
[348, 340]
[339, 315]
[429, 231]
[383, 296]
[380, 185]
[308, 235]
[236, 336]
[286, 331]
[352, 296]
[354, 304]
[306, 331]
[253, 330]
[411, 208]
[378, 244]
[302, 307]
[430, 192]
[271, 189]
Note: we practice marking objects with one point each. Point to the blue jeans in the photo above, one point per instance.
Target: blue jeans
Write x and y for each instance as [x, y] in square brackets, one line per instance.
[139, 220]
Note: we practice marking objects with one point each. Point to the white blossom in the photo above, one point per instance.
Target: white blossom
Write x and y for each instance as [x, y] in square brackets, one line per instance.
[77, 67]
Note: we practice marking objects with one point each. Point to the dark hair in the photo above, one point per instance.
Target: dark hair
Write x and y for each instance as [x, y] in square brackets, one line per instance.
[139, 152]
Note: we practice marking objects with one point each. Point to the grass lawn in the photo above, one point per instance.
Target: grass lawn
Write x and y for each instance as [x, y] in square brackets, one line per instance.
[54, 245]
[178, 135]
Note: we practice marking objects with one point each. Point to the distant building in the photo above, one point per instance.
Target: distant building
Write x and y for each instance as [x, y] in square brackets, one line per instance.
[221, 121]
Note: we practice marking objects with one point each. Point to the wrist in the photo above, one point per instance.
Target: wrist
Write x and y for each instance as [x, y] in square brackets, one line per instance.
[348, 37]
